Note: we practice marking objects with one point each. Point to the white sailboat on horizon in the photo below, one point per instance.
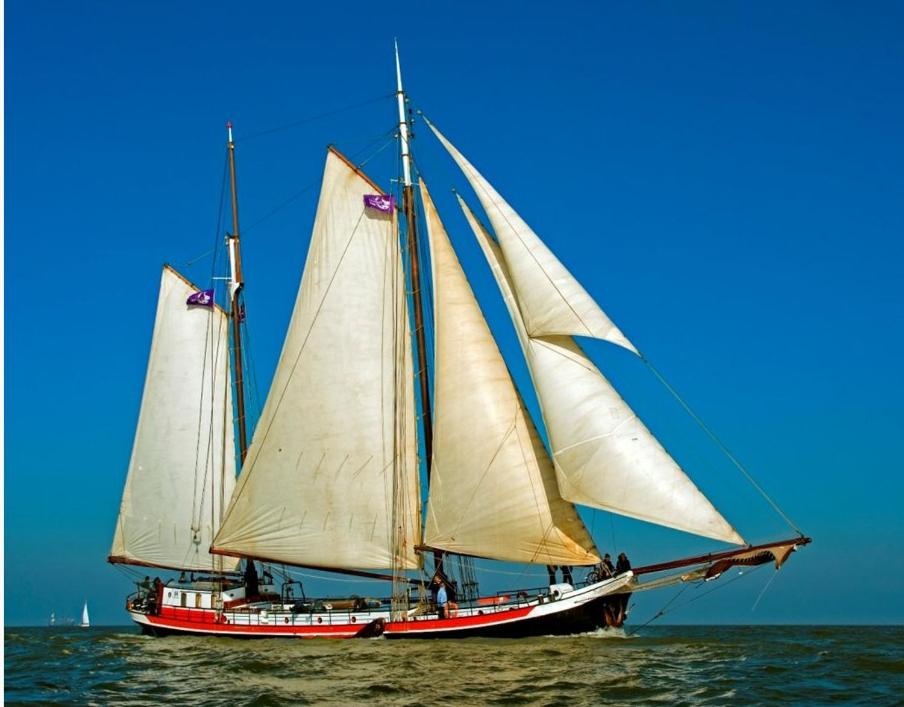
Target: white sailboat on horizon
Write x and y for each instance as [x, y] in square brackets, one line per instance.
[86, 622]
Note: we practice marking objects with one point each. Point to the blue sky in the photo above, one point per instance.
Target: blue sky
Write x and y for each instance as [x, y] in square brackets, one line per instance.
[725, 178]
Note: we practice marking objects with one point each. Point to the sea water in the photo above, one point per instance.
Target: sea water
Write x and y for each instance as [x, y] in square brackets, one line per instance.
[666, 665]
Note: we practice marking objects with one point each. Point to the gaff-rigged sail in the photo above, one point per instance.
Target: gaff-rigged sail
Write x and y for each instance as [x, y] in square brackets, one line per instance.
[182, 469]
[492, 487]
[604, 455]
[336, 438]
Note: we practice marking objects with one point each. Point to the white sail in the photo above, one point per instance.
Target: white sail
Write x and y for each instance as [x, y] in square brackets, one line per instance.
[552, 302]
[604, 455]
[337, 432]
[86, 623]
[492, 485]
[182, 469]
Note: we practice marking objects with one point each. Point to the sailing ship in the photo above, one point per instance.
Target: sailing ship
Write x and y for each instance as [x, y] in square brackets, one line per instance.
[332, 478]
[86, 622]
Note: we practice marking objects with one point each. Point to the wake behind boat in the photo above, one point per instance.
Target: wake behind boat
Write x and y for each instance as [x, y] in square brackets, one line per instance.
[331, 479]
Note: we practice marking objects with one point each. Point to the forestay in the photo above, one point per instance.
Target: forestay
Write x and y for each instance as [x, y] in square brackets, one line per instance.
[182, 469]
[604, 455]
[492, 486]
[337, 432]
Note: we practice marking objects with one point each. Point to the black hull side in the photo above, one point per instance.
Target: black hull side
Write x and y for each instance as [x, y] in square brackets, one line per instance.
[581, 619]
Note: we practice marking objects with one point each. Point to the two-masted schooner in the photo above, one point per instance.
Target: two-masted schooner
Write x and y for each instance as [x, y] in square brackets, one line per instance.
[332, 478]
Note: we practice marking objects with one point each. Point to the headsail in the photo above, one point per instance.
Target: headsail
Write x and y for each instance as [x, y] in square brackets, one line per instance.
[337, 432]
[552, 302]
[493, 489]
[182, 469]
[604, 455]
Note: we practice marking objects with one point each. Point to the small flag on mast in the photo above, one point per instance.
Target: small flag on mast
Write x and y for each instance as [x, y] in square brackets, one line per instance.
[380, 202]
[203, 298]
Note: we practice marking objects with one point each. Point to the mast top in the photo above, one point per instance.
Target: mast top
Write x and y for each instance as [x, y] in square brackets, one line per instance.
[403, 122]
[398, 67]
[229, 129]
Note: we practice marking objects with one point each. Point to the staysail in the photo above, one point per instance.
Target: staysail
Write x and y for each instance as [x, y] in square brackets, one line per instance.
[605, 457]
[492, 487]
[337, 433]
[551, 301]
[182, 469]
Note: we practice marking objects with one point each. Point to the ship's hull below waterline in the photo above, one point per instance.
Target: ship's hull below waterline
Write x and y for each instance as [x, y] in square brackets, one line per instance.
[574, 612]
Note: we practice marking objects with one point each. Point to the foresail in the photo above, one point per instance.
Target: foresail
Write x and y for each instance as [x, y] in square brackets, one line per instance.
[604, 455]
[337, 432]
[492, 486]
[182, 469]
[552, 302]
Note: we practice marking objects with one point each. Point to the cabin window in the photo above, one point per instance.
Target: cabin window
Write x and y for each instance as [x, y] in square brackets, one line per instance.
[197, 601]
[184, 599]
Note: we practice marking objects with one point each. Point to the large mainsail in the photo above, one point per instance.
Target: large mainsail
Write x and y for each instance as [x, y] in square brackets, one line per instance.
[604, 455]
[182, 469]
[492, 486]
[336, 438]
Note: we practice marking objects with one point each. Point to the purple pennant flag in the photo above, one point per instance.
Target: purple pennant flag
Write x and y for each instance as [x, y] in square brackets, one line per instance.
[379, 202]
[203, 298]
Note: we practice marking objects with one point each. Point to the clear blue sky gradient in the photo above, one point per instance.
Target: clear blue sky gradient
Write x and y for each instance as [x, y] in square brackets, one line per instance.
[725, 178]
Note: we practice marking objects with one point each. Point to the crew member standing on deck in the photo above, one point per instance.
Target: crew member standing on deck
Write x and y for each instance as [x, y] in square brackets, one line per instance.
[623, 565]
[434, 589]
[441, 599]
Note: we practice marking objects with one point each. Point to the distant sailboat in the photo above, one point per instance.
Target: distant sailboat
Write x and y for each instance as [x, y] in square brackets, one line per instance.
[52, 619]
[86, 623]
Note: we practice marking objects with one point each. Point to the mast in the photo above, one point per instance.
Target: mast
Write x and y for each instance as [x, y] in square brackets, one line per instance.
[235, 289]
[411, 221]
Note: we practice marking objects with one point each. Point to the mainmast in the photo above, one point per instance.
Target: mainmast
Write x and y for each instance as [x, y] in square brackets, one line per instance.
[411, 220]
[235, 290]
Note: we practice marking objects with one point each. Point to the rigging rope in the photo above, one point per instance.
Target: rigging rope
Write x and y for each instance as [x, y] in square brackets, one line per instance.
[314, 118]
[738, 576]
[377, 152]
[279, 207]
[662, 611]
[216, 242]
[251, 369]
[757, 602]
[712, 435]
